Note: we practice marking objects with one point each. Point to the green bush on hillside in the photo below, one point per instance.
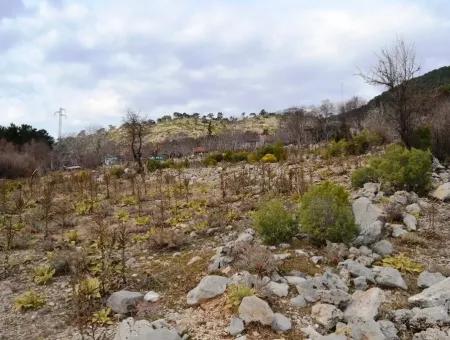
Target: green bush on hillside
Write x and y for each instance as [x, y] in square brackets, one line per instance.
[276, 149]
[269, 158]
[325, 214]
[357, 145]
[398, 169]
[274, 223]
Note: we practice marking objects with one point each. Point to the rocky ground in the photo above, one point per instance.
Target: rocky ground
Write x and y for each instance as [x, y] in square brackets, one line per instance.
[393, 282]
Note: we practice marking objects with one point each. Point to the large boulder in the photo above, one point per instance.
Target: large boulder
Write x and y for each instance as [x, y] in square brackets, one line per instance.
[210, 286]
[326, 315]
[442, 192]
[124, 301]
[410, 222]
[364, 304]
[129, 329]
[368, 216]
[436, 295]
[429, 317]
[427, 279]
[389, 277]
[254, 309]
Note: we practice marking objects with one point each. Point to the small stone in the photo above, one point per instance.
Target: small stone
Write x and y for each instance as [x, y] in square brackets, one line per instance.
[300, 252]
[193, 260]
[326, 315]
[151, 296]
[389, 277]
[442, 192]
[281, 323]
[299, 301]
[413, 209]
[252, 308]
[429, 317]
[294, 280]
[383, 247]
[388, 329]
[360, 283]
[397, 230]
[123, 301]
[210, 286]
[278, 289]
[316, 259]
[281, 257]
[236, 326]
[410, 222]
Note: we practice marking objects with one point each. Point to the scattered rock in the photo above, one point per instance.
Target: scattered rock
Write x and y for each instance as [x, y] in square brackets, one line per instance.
[360, 283]
[413, 209]
[436, 295]
[427, 279]
[366, 330]
[442, 192]
[357, 269]
[294, 280]
[410, 222]
[129, 329]
[364, 304]
[429, 317]
[397, 230]
[236, 326]
[281, 323]
[193, 260]
[383, 248]
[278, 289]
[123, 301]
[389, 277]
[326, 315]
[210, 286]
[335, 297]
[281, 257]
[316, 259]
[151, 296]
[252, 308]
[299, 301]
[388, 329]
[431, 334]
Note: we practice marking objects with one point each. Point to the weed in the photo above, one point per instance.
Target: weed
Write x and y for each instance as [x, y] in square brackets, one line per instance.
[29, 300]
[43, 274]
[403, 263]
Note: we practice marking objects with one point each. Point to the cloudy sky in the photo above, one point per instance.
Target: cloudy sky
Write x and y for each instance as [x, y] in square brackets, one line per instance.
[97, 58]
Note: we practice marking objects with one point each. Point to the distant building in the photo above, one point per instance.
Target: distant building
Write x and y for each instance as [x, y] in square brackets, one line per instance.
[199, 150]
[111, 160]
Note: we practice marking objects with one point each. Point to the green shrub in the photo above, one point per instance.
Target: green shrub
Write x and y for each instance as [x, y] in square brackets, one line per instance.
[43, 274]
[117, 171]
[398, 169]
[325, 214]
[421, 138]
[274, 223]
[28, 301]
[363, 175]
[357, 145]
[236, 293]
[269, 158]
[72, 236]
[276, 149]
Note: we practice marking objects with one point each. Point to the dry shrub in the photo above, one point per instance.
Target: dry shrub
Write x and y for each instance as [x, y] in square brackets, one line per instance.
[394, 212]
[164, 238]
[254, 258]
[414, 240]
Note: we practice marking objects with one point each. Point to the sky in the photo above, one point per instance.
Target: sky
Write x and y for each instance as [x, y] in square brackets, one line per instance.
[99, 58]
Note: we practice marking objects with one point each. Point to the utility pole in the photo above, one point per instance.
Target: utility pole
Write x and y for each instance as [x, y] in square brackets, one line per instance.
[61, 113]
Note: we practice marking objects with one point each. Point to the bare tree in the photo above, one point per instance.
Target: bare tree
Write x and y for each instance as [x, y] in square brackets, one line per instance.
[135, 127]
[295, 124]
[395, 70]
